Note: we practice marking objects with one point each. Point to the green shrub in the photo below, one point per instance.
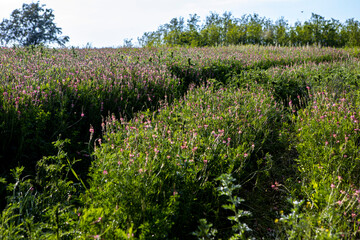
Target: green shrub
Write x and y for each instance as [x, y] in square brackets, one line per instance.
[328, 162]
[43, 207]
[158, 171]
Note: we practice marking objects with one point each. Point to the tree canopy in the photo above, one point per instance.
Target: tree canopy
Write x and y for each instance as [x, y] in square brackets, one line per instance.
[31, 25]
[252, 29]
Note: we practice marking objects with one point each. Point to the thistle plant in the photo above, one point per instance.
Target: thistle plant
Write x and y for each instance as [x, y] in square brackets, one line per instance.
[226, 189]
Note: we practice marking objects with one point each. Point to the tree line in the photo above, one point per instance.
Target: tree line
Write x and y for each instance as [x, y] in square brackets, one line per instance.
[225, 29]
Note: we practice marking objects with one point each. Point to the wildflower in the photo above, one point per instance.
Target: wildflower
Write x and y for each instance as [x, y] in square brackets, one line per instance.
[245, 154]
[332, 185]
[205, 161]
[276, 220]
[82, 114]
[274, 186]
[105, 172]
[339, 202]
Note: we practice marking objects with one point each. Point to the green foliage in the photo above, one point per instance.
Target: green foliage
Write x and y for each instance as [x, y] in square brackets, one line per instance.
[227, 188]
[174, 132]
[204, 231]
[31, 25]
[166, 165]
[43, 206]
[227, 30]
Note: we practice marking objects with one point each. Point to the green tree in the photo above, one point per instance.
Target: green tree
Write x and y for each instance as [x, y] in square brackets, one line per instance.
[192, 31]
[220, 30]
[268, 32]
[211, 31]
[236, 34]
[281, 32]
[351, 32]
[151, 39]
[254, 29]
[316, 25]
[31, 25]
[173, 32]
[331, 33]
[301, 35]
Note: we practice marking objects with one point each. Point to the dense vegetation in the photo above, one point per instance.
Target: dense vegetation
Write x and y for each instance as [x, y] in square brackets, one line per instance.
[180, 143]
[227, 30]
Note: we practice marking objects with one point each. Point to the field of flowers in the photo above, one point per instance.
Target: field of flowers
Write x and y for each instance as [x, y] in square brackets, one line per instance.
[242, 142]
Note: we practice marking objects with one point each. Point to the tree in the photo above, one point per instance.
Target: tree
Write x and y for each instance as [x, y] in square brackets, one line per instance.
[281, 32]
[128, 43]
[351, 32]
[173, 31]
[31, 25]
[254, 29]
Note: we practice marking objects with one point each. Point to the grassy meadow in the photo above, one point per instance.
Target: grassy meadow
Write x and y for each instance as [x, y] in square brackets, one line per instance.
[245, 142]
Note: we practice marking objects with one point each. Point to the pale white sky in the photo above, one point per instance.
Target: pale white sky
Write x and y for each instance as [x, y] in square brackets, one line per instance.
[106, 23]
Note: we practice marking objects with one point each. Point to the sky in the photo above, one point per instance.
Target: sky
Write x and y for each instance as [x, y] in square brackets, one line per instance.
[107, 23]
